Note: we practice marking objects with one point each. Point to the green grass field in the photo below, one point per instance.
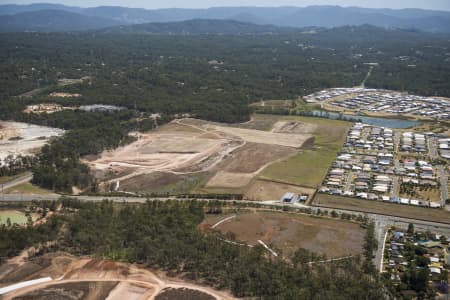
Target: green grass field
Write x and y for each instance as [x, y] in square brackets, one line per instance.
[15, 217]
[4, 179]
[27, 188]
[405, 211]
[310, 167]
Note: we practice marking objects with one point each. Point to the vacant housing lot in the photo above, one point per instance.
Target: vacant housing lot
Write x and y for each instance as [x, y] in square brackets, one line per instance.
[230, 157]
[288, 232]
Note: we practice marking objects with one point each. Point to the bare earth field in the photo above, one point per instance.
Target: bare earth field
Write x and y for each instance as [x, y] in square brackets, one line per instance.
[24, 139]
[174, 155]
[288, 232]
[253, 156]
[86, 278]
[269, 190]
[405, 211]
[229, 180]
[264, 137]
[163, 183]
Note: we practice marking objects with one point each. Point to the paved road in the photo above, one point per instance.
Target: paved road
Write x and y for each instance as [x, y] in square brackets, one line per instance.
[348, 182]
[363, 84]
[444, 184]
[397, 137]
[394, 190]
[14, 182]
[432, 149]
[380, 233]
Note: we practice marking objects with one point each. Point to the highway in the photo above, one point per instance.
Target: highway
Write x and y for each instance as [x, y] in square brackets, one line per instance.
[382, 222]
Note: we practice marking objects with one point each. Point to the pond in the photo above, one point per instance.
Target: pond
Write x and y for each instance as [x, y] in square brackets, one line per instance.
[381, 122]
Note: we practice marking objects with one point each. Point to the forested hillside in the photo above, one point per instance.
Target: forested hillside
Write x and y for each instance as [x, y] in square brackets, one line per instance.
[212, 77]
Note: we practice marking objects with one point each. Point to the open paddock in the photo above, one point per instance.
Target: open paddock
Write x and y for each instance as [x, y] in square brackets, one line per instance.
[377, 207]
[229, 180]
[264, 190]
[288, 232]
[310, 166]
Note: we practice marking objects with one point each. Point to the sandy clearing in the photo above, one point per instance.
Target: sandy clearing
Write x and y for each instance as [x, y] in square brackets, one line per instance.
[32, 138]
[224, 179]
[131, 291]
[134, 282]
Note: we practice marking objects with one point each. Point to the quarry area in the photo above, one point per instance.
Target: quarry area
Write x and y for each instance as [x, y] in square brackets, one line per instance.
[62, 276]
[23, 139]
[222, 156]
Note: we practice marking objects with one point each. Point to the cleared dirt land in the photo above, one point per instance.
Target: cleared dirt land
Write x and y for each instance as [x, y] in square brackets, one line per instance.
[288, 232]
[405, 211]
[86, 278]
[24, 139]
[229, 156]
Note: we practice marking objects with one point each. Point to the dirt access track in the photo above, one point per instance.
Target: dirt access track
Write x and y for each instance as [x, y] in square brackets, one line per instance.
[188, 146]
[69, 277]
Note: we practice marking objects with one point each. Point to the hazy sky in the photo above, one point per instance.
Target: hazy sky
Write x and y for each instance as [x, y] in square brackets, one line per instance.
[426, 4]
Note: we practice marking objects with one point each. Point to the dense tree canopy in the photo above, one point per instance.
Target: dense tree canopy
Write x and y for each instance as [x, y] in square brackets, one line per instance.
[165, 235]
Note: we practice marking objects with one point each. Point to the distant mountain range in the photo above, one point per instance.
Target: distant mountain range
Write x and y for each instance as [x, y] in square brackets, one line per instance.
[56, 17]
[201, 26]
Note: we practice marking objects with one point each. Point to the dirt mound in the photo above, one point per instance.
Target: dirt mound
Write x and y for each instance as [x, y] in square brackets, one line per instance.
[293, 127]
